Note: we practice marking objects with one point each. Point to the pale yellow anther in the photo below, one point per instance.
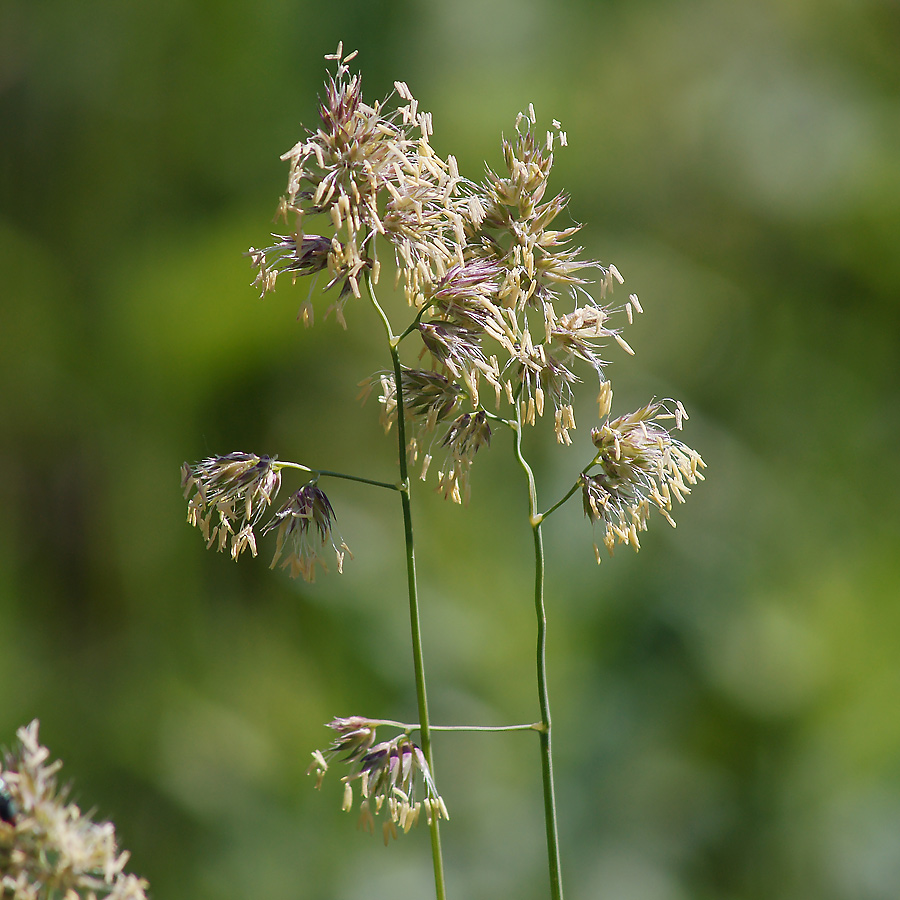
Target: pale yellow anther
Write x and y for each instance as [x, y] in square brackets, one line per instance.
[633, 538]
[623, 343]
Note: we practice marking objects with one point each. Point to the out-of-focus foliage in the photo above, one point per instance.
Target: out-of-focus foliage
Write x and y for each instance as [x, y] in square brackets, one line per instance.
[724, 702]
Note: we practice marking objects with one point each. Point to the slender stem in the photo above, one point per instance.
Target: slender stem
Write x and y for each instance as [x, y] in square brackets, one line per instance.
[534, 726]
[571, 490]
[560, 502]
[415, 625]
[382, 484]
[414, 726]
[414, 324]
[535, 518]
[317, 472]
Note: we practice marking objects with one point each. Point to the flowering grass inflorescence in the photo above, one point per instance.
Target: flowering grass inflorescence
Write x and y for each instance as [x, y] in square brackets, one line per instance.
[238, 488]
[48, 847]
[304, 528]
[499, 293]
[388, 774]
[638, 463]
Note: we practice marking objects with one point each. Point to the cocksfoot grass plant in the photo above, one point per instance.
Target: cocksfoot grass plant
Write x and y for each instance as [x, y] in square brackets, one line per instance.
[494, 321]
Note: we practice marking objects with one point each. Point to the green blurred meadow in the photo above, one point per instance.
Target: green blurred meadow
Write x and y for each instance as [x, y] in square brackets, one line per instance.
[725, 702]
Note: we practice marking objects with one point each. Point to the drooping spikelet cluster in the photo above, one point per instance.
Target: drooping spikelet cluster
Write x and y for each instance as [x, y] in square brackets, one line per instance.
[49, 848]
[638, 465]
[303, 528]
[387, 773]
[228, 496]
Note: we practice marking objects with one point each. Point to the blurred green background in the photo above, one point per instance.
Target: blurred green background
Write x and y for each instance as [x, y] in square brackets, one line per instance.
[725, 702]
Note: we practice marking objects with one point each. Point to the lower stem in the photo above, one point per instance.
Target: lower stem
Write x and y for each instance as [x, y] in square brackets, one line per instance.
[550, 823]
[415, 628]
[553, 861]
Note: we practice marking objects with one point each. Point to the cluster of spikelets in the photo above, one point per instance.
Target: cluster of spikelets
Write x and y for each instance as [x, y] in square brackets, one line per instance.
[228, 496]
[388, 776]
[48, 847]
[500, 303]
[638, 464]
[482, 266]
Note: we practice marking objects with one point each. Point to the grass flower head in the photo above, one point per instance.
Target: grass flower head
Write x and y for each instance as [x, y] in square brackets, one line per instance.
[390, 775]
[465, 437]
[367, 170]
[304, 529]
[50, 849]
[638, 466]
[227, 496]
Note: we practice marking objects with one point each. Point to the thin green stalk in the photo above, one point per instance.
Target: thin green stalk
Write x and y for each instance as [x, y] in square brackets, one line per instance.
[560, 502]
[415, 626]
[415, 726]
[571, 490]
[535, 519]
[532, 726]
[344, 475]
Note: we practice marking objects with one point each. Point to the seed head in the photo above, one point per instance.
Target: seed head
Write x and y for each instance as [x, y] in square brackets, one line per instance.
[235, 490]
[514, 229]
[388, 773]
[304, 527]
[457, 348]
[541, 374]
[428, 398]
[638, 463]
[465, 437]
[485, 266]
[369, 171]
[300, 254]
[52, 849]
[465, 295]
